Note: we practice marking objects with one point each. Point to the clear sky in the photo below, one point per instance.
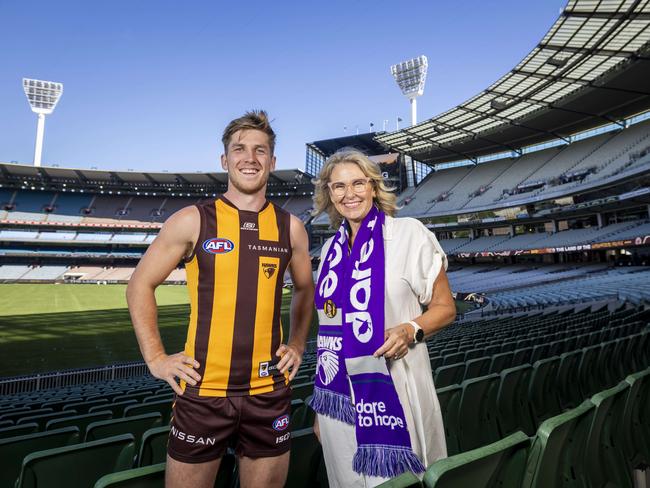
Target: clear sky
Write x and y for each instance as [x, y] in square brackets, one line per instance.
[149, 85]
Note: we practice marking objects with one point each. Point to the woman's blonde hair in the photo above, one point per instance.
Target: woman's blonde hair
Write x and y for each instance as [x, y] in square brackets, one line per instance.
[384, 199]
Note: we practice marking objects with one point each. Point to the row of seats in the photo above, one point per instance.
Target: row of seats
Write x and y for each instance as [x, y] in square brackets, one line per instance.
[595, 444]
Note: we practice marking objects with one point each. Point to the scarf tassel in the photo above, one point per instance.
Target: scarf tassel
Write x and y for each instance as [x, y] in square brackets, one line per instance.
[386, 461]
[332, 404]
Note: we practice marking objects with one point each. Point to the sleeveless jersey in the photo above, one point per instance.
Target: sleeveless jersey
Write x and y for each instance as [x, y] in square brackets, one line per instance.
[235, 277]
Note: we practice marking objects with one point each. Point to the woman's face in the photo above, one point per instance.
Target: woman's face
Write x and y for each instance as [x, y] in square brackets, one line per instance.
[351, 192]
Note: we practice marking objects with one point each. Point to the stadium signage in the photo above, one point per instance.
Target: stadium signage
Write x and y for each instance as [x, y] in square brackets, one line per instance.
[218, 245]
[637, 241]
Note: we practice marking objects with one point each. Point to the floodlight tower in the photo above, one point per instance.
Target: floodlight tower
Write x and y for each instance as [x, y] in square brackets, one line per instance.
[410, 76]
[43, 97]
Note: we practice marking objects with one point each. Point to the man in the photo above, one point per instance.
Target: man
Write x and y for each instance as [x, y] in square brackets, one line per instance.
[234, 370]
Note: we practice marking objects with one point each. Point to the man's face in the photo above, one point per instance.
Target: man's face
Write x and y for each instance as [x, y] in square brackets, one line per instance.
[248, 160]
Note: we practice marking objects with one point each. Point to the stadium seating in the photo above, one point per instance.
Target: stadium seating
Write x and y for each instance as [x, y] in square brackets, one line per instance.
[88, 461]
[145, 477]
[498, 464]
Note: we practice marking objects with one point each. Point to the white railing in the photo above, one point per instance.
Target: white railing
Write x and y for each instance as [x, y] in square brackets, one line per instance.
[62, 379]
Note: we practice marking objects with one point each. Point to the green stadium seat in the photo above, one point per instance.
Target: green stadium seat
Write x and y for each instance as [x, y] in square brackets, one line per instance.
[164, 396]
[81, 421]
[542, 391]
[302, 390]
[587, 371]
[500, 464]
[636, 414]
[139, 396]
[521, 356]
[15, 430]
[164, 407]
[501, 361]
[153, 449]
[16, 410]
[556, 455]
[451, 374]
[569, 394]
[404, 480]
[85, 463]
[477, 367]
[15, 415]
[604, 455]
[136, 425]
[146, 477]
[295, 404]
[477, 420]
[117, 408]
[304, 459]
[43, 419]
[453, 358]
[304, 416]
[14, 449]
[83, 407]
[513, 409]
[449, 399]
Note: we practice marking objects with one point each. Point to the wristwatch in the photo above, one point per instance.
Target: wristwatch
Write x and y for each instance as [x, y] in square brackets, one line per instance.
[418, 333]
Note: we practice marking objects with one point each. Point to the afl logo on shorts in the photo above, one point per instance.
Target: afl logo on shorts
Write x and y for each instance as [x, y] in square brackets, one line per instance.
[281, 423]
[218, 245]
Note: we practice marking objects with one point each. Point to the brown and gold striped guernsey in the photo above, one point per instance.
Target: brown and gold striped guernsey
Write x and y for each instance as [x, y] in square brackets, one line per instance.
[235, 276]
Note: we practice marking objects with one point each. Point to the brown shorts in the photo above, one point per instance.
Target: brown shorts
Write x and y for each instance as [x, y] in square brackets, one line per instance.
[255, 426]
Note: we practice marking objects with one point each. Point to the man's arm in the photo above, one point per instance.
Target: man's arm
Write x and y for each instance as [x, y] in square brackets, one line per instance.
[175, 241]
[302, 301]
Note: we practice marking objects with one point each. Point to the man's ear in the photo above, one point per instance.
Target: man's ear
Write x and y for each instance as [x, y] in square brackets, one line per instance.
[224, 162]
[273, 163]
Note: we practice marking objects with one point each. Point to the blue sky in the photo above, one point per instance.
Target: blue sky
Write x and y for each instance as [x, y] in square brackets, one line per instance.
[149, 85]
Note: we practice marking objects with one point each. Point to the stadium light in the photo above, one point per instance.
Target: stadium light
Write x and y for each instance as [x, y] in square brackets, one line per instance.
[410, 76]
[43, 97]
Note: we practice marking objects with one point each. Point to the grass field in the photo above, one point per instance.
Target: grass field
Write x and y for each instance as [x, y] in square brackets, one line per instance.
[52, 327]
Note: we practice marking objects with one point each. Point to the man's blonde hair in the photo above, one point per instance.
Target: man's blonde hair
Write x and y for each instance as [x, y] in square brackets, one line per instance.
[384, 200]
[254, 119]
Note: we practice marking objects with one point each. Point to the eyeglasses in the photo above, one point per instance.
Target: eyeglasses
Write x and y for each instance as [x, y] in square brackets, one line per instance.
[359, 186]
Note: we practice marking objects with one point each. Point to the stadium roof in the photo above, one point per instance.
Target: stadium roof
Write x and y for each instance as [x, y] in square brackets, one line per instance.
[590, 69]
[366, 143]
[52, 177]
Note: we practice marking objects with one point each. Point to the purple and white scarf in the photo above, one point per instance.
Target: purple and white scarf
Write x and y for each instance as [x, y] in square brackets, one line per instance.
[350, 304]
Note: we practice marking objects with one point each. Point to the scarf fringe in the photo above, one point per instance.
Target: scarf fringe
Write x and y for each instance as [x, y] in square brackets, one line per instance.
[332, 404]
[386, 461]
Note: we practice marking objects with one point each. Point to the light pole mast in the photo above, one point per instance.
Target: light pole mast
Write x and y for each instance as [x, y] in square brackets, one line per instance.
[43, 97]
[410, 77]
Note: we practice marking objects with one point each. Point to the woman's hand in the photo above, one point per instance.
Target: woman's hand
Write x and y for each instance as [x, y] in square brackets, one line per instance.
[397, 341]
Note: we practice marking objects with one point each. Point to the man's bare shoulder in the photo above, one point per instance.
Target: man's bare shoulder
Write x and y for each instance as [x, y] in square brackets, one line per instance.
[186, 216]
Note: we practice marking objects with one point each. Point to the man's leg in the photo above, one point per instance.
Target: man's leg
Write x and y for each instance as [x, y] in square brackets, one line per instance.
[270, 472]
[200, 475]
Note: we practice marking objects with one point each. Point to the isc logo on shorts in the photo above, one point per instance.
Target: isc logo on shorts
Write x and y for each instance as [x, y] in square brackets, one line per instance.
[218, 245]
[281, 423]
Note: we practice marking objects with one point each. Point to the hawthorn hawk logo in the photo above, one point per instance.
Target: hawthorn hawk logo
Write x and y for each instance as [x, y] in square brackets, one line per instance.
[269, 269]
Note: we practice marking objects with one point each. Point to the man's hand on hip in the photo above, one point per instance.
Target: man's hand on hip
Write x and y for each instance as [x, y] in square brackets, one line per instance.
[290, 359]
[174, 366]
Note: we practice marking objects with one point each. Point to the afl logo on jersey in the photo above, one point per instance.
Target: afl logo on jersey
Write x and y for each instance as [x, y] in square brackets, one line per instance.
[218, 245]
[281, 423]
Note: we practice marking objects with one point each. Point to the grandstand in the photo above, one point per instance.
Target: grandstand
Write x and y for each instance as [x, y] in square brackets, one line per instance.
[538, 189]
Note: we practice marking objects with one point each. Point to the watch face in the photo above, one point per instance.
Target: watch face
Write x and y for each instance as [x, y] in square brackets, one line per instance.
[419, 335]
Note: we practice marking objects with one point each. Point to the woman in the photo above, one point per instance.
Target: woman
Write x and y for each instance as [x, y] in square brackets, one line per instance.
[377, 411]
